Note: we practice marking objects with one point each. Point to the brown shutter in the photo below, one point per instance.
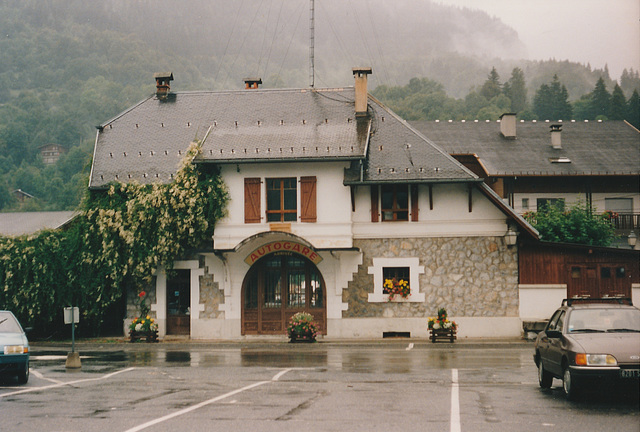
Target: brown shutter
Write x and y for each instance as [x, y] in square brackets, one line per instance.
[374, 203]
[308, 199]
[414, 203]
[252, 200]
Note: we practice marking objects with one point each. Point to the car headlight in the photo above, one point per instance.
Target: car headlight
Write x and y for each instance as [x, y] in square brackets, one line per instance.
[15, 349]
[595, 360]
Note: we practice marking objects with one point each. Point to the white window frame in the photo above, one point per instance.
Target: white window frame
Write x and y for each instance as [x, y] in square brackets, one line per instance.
[415, 270]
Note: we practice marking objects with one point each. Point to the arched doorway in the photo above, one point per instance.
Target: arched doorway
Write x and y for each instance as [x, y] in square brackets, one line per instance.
[278, 286]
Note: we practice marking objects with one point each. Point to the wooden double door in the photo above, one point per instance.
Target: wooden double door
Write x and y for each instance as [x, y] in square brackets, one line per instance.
[277, 287]
[599, 280]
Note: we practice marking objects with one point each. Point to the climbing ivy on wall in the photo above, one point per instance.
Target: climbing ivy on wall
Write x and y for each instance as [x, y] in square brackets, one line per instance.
[120, 237]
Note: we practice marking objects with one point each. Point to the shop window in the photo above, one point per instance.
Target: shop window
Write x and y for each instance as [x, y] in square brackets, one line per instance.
[620, 273]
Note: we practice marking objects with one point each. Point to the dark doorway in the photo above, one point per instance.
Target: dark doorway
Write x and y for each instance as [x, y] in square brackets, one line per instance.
[178, 302]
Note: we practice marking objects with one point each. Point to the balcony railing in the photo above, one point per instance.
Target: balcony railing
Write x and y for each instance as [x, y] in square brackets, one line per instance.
[624, 221]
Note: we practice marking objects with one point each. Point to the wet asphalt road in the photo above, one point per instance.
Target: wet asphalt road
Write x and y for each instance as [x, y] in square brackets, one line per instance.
[398, 385]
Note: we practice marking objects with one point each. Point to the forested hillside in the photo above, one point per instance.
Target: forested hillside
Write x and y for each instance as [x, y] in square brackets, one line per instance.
[69, 65]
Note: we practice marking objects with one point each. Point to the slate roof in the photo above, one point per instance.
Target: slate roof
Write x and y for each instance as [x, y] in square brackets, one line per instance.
[399, 153]
[20, 223]
[146, 142]
[593, 148]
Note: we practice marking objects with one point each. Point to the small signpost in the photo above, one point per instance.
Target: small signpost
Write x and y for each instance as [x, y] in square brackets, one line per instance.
[72, 316]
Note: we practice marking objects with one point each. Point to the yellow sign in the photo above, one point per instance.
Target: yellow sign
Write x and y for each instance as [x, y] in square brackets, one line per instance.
[283, 247]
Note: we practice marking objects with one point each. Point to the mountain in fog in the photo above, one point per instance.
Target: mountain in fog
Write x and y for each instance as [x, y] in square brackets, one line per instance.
[229, 40]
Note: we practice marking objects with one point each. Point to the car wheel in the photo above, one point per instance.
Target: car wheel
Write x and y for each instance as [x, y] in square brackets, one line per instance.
[569, 384]
[545, 379]
[23, 376]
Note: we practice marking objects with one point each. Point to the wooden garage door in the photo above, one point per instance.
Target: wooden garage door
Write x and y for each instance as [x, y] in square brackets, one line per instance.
[598, 280]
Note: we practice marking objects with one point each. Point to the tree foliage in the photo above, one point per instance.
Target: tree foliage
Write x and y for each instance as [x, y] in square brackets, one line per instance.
[577, 225]
[118, 240]
[551, 101]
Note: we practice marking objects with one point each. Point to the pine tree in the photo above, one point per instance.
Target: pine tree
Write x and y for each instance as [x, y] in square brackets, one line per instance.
[618, 107]
[491, 87]
[516, 90]
[551, 102]
[633, 109]
[600, 101]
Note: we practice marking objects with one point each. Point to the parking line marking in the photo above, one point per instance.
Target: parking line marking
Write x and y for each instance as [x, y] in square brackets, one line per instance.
[207, 402]
[455, 402]
[42, 377]
[62, 384]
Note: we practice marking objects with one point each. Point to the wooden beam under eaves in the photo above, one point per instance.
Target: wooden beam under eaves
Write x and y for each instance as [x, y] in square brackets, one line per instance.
[470, 186]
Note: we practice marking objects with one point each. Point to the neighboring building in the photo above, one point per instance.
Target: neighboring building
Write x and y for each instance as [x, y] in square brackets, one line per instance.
[23, 223]
[331, 194]
[535, 163]
[51, 153]
[21, 196]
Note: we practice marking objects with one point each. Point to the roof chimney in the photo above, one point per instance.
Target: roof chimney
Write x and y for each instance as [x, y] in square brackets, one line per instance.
[556, 132]
[252, 83]
[361, 90]
[162, 84]
[508, 125]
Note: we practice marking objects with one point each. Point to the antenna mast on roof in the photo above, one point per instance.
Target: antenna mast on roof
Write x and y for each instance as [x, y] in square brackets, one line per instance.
[311, 43]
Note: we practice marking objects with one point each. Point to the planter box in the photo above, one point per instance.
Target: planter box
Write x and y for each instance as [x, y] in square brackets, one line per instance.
[301, 338]
[150, 336]
[445, 335]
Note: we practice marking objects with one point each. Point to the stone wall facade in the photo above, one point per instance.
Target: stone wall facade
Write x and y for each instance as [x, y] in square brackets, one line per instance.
[211, 297]
[469, 276]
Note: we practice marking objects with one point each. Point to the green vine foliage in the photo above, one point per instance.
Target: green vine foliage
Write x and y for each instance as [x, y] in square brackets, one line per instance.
[578, 225]
[117, 241]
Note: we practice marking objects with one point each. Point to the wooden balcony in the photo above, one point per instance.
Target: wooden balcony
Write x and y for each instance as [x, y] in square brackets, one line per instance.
[624, 221]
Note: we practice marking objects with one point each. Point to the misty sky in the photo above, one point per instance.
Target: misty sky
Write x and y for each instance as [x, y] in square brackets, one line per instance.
[597, 32]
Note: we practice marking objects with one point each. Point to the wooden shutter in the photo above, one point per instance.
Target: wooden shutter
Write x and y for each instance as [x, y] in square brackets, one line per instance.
[308, 199]
[252, 200]
[374, 203]
[414, 203]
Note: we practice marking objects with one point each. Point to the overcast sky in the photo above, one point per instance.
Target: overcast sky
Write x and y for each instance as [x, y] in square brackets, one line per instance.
[598, 32]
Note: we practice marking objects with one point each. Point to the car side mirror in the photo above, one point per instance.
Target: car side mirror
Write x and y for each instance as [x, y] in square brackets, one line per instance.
[554, 333]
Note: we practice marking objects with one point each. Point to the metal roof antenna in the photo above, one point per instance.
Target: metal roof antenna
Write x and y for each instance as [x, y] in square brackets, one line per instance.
[311, 44]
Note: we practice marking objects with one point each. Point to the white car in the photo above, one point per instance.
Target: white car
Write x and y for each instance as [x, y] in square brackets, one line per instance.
[14, 348]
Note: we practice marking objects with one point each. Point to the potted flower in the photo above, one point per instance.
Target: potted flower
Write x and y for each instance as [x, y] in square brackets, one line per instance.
[441, 328]
[143, 326]
[301, 328]
[395, 287]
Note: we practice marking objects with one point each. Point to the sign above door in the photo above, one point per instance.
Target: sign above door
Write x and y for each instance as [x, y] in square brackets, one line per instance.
[283, 246]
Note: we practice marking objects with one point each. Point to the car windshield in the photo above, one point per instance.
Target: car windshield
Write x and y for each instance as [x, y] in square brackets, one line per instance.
[8, 323]
[604, 320]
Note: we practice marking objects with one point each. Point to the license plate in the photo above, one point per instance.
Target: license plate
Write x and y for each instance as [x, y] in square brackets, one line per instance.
[630, 373]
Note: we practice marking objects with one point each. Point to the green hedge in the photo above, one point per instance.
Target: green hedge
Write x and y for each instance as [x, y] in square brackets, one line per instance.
[118, 239]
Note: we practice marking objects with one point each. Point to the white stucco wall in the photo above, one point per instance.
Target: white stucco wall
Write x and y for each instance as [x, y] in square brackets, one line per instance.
[450, 216]
[538, 302]
[333, 226]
